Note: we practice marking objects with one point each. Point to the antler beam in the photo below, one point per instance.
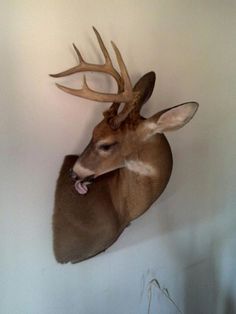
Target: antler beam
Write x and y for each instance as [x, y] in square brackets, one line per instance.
[125, 92]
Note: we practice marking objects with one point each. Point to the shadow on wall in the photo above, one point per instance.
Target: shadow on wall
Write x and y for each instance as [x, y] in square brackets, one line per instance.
[229, 306]
[204, 290]
[193, 304]
[203, 293]
[203, 262]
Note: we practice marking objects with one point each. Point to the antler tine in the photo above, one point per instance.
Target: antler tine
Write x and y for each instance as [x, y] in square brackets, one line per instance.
[119, 118]
[123, 69]
[84, 66]
[103, 47]
[81, 59]
[76, 69]
[88, 93]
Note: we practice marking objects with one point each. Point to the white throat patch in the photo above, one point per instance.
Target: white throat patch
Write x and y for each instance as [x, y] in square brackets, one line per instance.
[140, 167]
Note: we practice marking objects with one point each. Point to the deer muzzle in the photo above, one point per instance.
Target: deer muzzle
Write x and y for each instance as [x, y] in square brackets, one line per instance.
[82, 172]
[82, 177]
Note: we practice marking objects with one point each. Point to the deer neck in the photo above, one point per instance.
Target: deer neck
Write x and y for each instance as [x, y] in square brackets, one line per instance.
[145, 175]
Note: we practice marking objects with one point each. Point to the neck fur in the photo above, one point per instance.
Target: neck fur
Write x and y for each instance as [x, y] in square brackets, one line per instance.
[140, 167]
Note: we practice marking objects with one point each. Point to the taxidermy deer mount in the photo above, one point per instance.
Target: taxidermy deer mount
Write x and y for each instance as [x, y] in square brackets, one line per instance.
[123, 170]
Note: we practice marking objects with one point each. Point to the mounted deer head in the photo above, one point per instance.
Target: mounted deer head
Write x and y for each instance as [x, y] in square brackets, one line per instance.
[128, 159]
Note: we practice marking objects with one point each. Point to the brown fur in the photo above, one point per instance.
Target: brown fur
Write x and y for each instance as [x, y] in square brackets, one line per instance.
[85, 225]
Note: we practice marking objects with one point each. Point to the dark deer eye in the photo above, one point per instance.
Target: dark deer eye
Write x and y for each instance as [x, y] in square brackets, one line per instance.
[106, 147]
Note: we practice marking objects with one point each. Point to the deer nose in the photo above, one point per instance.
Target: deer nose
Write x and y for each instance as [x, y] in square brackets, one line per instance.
[73, 175]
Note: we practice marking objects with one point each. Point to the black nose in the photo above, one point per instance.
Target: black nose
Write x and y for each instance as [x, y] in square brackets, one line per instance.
[73, 175]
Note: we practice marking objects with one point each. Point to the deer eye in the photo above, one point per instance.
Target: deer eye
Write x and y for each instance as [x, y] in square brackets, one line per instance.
[106, 147]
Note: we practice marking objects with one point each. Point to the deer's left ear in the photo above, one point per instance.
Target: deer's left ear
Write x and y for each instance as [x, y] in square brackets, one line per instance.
[171, 119]
[145, 87]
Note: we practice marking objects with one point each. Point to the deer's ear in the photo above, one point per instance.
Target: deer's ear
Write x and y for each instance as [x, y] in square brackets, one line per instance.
[171, 119]
[145, 87]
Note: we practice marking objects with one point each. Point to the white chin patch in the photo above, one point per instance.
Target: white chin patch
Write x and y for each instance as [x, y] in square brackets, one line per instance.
[81, 171]
[81, 187]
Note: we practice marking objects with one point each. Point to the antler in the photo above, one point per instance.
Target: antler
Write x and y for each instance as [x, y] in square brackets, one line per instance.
[125, 91]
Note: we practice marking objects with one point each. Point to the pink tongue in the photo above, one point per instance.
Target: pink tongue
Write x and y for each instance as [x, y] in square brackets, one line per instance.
[80, 187]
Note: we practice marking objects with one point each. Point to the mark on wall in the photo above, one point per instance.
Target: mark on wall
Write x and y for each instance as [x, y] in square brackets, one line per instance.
[154, 284]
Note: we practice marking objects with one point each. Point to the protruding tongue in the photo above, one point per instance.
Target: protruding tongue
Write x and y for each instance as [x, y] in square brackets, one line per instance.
[81, 187]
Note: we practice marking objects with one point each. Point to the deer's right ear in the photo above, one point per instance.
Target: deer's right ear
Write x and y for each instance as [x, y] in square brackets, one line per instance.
[145, 87]
[171, 119]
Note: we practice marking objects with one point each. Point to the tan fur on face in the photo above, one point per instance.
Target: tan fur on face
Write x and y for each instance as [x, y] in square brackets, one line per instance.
[98, 161]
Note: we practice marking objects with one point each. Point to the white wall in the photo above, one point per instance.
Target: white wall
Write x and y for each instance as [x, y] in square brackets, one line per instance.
[187, 240]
